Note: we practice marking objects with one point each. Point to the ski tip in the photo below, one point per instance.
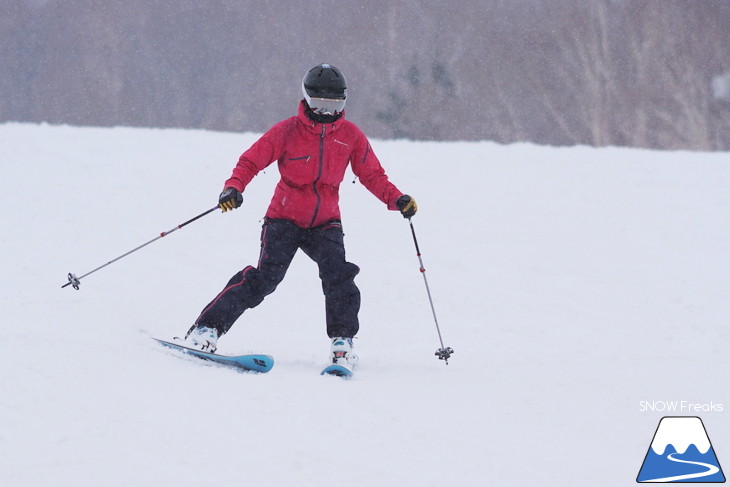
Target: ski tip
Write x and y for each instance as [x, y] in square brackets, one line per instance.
[337, 371]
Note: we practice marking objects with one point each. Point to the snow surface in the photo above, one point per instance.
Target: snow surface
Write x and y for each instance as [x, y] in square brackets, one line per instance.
[572, 283]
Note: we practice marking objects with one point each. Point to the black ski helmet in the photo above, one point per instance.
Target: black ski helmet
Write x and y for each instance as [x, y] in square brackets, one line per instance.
[325, 89]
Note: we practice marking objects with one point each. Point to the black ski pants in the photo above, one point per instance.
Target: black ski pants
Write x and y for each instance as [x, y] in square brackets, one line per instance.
[280, 240]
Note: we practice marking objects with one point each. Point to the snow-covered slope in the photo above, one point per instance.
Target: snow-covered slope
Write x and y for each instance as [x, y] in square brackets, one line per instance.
[572, 283]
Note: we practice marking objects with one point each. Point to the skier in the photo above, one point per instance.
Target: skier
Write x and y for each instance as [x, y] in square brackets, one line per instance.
[313, 149]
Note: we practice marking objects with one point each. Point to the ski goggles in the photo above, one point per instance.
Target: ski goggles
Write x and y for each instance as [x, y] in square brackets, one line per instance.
[326, 106]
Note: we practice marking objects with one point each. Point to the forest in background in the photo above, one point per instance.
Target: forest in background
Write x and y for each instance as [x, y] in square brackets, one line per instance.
[639, 73]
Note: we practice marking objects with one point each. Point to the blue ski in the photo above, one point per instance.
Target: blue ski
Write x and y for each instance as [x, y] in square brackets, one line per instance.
[337, 370]
[253, 363]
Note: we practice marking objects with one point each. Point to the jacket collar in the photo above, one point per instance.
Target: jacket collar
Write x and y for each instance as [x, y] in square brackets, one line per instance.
[317, 127]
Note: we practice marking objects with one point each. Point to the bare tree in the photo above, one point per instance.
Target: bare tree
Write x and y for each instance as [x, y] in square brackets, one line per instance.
[645, 73]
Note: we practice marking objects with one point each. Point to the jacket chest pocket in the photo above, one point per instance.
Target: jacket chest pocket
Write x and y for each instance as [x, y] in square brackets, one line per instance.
[336, 161]
[299, 169]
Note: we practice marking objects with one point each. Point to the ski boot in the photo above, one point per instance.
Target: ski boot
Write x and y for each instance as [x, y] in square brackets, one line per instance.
[342, 353]
[342, 359]
[202, 338]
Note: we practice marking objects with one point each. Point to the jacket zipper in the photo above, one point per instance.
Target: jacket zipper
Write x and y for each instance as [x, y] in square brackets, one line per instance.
[319, 175]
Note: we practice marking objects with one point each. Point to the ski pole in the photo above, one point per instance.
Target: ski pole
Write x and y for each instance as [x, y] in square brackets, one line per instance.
[442, 353]
[76, 281]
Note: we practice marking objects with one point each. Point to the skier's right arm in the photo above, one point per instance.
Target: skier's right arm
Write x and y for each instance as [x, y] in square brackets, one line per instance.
[259, 156]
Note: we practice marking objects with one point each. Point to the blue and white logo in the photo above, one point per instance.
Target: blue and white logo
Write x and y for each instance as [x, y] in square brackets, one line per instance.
[681, 452]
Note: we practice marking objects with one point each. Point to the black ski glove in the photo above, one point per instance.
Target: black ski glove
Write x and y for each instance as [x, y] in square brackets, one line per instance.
[230, 199]
[407, 206]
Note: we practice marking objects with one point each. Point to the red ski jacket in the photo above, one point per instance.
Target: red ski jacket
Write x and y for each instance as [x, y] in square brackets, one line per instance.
[312, 159]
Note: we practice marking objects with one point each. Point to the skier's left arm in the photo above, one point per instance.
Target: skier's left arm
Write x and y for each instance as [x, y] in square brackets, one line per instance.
[367, 168]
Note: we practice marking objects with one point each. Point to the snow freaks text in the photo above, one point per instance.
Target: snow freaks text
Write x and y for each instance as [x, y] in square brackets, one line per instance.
[680, 407]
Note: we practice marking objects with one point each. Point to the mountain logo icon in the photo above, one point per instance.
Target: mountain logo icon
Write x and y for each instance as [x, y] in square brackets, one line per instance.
[681, 452]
